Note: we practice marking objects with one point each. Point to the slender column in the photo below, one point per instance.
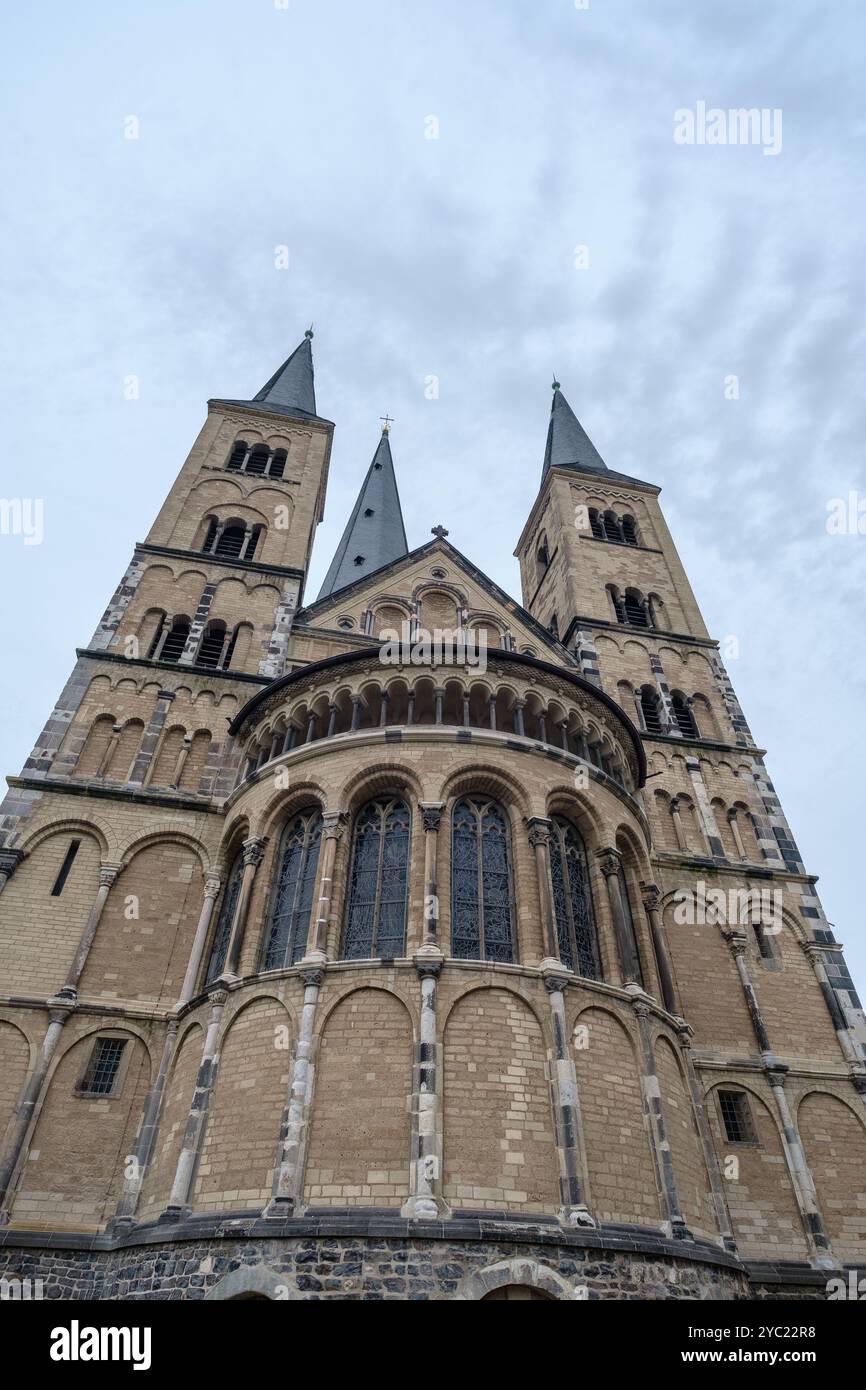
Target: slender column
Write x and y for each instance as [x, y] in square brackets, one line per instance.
[159, 637]
[658, 1125]
[290, 739]
[224, 650]
[801, 1177]
[178, 1202]
[311, 726]
[211, 892]
[465, 710]
[652, 898]
[679, 829]
[626, 945]
[542, 727]
[145, 1139]
[105, 760]
[332, 720]
[383, 710]
[432, 814]
[107, 876]
[539, 838]
[9, 861]
[566, 1105]
[425, 1181]
[248, 531]
[439, 696]
[562, 726]
[491, 710]
[287, 1187]
[16, 1142]
[186, 744]
[410, 711]
[851, 1050]
[720, 1206]
[253, 852]
[276, 747]
[333, 826]
[518, 707]
[357, 706]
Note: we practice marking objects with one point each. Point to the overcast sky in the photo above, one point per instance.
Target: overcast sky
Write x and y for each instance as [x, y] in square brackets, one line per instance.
[308, 127]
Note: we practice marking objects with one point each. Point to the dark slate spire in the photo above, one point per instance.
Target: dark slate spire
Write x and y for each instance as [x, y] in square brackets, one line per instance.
[375, 534]
[568, 444]
[291, 390]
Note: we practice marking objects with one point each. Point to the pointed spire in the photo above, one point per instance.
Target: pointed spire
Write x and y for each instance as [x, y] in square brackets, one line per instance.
[375, 534]
[291, 390]
[568, 444]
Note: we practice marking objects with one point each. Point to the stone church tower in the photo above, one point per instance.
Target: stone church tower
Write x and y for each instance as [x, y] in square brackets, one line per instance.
[410, 941]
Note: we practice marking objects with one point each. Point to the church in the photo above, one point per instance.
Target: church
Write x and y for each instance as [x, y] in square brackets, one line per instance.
[411, 941]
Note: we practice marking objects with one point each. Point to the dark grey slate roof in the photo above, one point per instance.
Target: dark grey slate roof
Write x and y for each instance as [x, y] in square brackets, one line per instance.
[568, 444]
[291, 390]
[375, 534]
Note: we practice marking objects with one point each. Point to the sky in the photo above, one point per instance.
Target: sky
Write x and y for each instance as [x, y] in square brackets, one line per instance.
[488, 194]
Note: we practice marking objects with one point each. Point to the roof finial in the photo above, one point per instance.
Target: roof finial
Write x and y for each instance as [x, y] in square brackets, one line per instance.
[309, 332]
[439, 532]
[557, 385]
[387, 422]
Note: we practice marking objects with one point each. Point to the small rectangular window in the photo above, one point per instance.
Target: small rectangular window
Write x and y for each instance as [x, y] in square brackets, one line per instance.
[737, 1117]
[101, 1074]
[64, 868]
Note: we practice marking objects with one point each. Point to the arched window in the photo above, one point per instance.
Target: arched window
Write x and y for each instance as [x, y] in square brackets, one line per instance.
[237, 456]
[629, 531]
[172, 647]
[651, 710]
[376, 914]
[575, 922]
[278, 463]
[553, 627]
[211, 646]
[612, 528]
[595, 524]
[481, 897]
[258, 459]
[293, 896]
[635, 612]
[542, 560]
[220, 944]
[683, 715]
[231, 540]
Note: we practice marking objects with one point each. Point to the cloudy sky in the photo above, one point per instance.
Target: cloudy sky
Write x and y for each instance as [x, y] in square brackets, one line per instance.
[308, 127]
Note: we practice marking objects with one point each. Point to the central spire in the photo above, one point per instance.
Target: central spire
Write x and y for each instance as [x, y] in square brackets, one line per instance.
[568, 444]
[375, 534]
[291, 390]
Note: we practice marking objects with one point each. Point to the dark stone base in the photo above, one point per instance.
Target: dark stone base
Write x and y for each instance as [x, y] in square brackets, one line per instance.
[373, 1255]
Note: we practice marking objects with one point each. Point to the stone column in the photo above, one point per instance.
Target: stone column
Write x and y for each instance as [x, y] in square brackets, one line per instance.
[211, 892]
[58, 1013]
[539, 839]
[253, 852]
[652, 900]
[105, 760]
[439, 696]
[107, 876]
[657, 1123]
[146, 1137]
[178, 1202]
[287, 1190]
[426, 1202]
[720, 1206]
[491, 711]
[735, 831]
[629, 960]
[518, 708]
[798, 1169]
[566, 1106]
[851, 1050]
[333, 826]
[357, 706]
[383, 709]
[9, 861]
[186, 744]
[432, 815]
[679, 829]
[311, 726]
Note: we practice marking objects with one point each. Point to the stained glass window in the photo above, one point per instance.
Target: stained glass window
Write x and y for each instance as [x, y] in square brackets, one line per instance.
[220, 944]
[572, 901]
[481, 898]
[378, 881]
[293, 894]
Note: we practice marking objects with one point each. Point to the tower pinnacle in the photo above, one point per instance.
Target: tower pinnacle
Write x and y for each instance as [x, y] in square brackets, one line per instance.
[374, 535]
[568, 444]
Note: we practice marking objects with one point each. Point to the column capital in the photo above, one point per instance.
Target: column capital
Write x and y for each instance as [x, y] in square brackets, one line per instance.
[312, 978]
[108, 873]
[431, 814]
[555, 984]
[859, 1084]
[736, 939]
[652, 896]
[777, 1073]
[217, 997]
[253, 851]
[609, 860]
[9, 860]
[211, 885]
[333, 825]
[538, 829]
[428, 962]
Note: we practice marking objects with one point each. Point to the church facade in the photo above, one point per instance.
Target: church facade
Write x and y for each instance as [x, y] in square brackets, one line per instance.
[412, 942]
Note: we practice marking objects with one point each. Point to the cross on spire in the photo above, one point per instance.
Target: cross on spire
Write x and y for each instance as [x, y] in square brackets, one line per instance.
[439, 532]
[387, 422]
